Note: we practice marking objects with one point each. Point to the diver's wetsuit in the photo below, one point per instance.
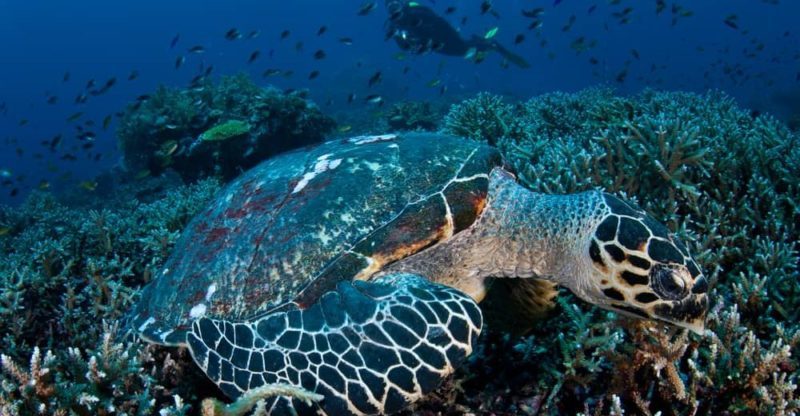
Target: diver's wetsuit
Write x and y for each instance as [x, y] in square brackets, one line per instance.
[418, 29]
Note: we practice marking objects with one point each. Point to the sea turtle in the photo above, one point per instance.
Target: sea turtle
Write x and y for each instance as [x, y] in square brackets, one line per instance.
[353, 269]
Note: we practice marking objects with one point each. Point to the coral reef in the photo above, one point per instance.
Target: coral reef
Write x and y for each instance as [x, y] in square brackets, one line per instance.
[185, 130]
[486, 117]
[64, 271]
[720, 178]
[413, 115]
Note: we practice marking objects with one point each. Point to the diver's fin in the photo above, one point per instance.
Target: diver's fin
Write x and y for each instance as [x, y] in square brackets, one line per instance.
[490, 45]
[510, 56]
[366, 347]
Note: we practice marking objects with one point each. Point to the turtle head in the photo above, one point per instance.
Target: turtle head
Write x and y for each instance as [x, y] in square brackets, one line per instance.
[639, 269]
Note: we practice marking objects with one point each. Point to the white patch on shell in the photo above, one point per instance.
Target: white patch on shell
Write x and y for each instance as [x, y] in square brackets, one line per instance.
[165, 271]
[322, 165]
[210, 292]
[146, 323]
[165, 334]
[198, 311]
[358, 140]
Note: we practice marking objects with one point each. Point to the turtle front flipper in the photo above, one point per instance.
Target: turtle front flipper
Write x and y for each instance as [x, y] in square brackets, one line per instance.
[367, 347]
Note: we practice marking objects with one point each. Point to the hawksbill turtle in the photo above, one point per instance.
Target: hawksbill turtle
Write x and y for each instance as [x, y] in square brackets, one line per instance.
[354, 269]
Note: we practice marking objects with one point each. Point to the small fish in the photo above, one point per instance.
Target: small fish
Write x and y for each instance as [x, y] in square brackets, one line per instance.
[233, 34]
[179, 61]
[346, 41]
[536, 24]
[660, 6]
[321, 31]
[434, 83]
[366, 8]
[253, 56]
[81, 98]
[271, 72]
[14, 192]
[142, 174]
[491, 33]
[253, 34]
[169, 147]
[635, 53]
[52, 99]
[175, 40]
[319, 54]
[374, 99]
[450, 10]
[197, 49]
[54, 142]
[313, 74]
[345, 128]
[133, 75]
[4, 231]
[22, 122]
[486, 6]
[75, 116]
[88, 185]
[351, 97]
[44, 184]
[5, 173]
[106, 122]
[285, 34]
[732, 21]
[374, 79]
[533, 13]
[519, 39]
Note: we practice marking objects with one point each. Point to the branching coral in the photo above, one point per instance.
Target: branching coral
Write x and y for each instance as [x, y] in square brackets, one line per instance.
[721, 179]
[105, 381]
[486, 117]
[62, 274]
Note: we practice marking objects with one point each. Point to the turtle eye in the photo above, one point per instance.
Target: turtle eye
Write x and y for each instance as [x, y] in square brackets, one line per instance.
[667, 283]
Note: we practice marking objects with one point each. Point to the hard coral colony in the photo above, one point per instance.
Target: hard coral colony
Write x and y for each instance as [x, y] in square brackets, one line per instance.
[724, 182]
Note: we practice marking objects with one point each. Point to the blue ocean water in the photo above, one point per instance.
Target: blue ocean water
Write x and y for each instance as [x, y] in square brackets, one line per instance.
[51, 50]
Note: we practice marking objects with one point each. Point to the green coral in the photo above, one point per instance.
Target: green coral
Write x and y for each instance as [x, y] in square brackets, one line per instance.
[225, 131]
[64, 272]
[486, 117]
[173, 128]
[720, 178]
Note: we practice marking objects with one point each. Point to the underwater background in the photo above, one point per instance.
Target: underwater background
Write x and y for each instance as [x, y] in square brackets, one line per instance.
[120, 121]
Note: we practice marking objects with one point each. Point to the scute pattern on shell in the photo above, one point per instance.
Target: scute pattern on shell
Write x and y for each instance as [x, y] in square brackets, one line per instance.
[368, 347]
[294, 221]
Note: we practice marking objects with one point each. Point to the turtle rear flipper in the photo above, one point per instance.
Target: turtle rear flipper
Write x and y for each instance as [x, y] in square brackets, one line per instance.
[367, 347]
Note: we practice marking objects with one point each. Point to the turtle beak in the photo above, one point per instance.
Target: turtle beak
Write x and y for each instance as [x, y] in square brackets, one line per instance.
[698, 326]
[689, 313]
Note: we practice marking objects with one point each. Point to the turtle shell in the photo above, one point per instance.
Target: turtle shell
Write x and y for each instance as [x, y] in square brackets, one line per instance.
[291, 228]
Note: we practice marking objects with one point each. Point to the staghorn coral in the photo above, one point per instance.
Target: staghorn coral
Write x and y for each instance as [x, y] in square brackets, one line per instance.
[486, 117]
[172, 129]
[106, 380]
[66, 270]
[720, 178]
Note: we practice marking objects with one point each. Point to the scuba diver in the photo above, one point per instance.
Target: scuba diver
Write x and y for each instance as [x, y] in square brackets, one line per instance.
[418, 29]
